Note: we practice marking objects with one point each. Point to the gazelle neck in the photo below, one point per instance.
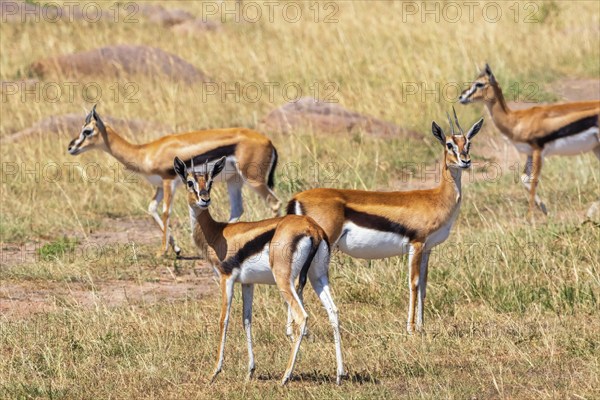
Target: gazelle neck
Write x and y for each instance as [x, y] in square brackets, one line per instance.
[500, 112]
[451, 182]
[122, 150]
[206, 231]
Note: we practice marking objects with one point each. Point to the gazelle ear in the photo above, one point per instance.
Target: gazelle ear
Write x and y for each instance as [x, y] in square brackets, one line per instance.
[99, 122]
[438, 133]
[489, 73]
[474, 129]
[180, 169]
[218, 167]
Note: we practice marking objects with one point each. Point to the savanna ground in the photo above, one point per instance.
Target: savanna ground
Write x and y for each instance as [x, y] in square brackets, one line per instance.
[512, 310]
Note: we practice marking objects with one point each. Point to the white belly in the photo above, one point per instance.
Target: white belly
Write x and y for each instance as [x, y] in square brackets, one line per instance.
[257, 269]
[523, 148]
[154, 180]
[567, 146]
[360, 242]
[573, 145]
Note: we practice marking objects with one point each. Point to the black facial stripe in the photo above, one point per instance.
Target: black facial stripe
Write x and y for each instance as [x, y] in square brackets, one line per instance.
[569, 130]
[378, 223]
[248, 250]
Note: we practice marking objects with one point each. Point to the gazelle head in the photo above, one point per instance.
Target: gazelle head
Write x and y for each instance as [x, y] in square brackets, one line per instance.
[457, 145]
[198, 185]
[481, 89]
[90, 135]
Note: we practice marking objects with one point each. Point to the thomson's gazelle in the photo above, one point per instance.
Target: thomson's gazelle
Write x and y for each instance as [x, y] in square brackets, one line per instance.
[371, 225]
[556, 129]
[251, 159]
[274, 251]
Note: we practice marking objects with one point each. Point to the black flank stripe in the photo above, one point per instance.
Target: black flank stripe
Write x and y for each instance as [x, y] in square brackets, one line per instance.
[251, 248]
[378, 223]
[569, 130]
[210, 155]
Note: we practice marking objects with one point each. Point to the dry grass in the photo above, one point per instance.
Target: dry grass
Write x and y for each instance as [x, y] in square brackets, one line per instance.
[512, 309]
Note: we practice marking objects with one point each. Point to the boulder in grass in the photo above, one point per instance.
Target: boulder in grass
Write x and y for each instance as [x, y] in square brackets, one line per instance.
[310, 114]
[195, 27]
[118, 62]
[71, 124]
[163, 16]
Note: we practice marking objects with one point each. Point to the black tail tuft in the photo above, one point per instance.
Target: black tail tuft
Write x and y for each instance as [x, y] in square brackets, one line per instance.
[271, 181]
[291, 207]
[305, 267]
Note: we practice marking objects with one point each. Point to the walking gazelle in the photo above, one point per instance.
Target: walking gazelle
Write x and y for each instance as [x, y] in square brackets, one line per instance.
[251, 159]
[370, 225]
[273, 251]
[556, 129]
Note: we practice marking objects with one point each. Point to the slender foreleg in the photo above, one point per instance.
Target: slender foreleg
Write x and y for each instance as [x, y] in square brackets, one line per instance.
[594, 210]
[526, 180]
[226, 298]
[247, 296]
[422, 288]
[536, 168]
[414, 266]
[153, 211]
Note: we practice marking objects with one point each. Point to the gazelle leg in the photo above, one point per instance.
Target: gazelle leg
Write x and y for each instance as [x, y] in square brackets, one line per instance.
[321, 287]
[594, 210]
[299, 317]
[422, 288]
[536, 168]
[414, 265]
[167, 189]
[153, 211]
[247, 296]
[527, 179]
[234, 188]
[226, 297]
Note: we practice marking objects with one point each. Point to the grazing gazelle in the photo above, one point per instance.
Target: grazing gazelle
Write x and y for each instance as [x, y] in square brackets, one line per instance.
[251, 159]
[273, 251]
[556, 129]
[370, 225]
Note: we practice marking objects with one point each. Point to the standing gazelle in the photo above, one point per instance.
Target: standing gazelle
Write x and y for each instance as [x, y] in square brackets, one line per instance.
[370, 225]
[556, 129]
[251, 159]
[273, 251]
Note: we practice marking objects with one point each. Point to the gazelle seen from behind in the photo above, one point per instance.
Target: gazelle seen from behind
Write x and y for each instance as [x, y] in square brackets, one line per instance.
[555, 129]
[274, 251]
[251, 159]
[371, 225]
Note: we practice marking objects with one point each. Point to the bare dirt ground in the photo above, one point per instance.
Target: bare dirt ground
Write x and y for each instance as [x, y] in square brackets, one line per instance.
[26, 298]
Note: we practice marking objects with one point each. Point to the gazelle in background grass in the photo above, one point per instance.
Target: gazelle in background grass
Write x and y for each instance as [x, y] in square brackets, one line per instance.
[370, 225]
[273, 251]
[251, 159]
[556, 129]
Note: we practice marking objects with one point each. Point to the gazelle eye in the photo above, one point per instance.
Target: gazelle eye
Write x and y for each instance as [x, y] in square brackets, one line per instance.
[88, 132]
[479, 85]
[450, 146]
[190, 184]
